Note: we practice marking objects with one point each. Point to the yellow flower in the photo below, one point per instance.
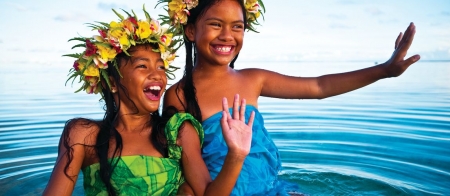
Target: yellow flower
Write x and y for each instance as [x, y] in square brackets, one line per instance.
[116, 29]
[144, 30]
[129, 26]
[92, 80]
[178, 11]
[177, 6]
[102, 64]
[106, 53]
[252, 8]
[166, 39]
[191, 4]
[250, 3]
[92, 89]
[90, 71]
[168, 58]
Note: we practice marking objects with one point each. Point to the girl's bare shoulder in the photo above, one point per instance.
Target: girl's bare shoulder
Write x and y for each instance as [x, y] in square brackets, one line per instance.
[174, 96]
[81, 131]
[254, 73]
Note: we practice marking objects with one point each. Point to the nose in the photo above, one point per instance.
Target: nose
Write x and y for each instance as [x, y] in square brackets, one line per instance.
[226, 34]
[155, 74]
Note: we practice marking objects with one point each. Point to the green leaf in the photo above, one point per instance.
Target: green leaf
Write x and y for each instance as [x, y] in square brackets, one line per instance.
[262, 5]
[81, 88]
[129, 15]
[146, 14]
[105, 25]
[170, 75]
[88, 63]
[95, 26]
[117, 68]
[134, 15]
[79, 45]
[77, 55]
[106, 77]
[120, 16]
[71, 77]
[83, 39]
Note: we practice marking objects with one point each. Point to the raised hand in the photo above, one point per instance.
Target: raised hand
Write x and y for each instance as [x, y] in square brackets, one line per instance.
[236, 133]
[396, 65]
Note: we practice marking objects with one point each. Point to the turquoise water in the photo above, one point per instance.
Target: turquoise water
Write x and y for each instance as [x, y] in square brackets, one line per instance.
[390, 138]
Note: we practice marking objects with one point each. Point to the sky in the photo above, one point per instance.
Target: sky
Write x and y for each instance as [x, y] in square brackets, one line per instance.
[36, 32]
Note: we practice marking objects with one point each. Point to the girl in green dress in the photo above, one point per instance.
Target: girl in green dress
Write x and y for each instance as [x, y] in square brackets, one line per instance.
[134, 150]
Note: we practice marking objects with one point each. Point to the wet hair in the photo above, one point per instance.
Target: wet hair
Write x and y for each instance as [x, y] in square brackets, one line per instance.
[108, 132]
[191, 104]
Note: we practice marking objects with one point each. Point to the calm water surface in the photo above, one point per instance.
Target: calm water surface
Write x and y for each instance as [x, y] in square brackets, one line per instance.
[391, 138]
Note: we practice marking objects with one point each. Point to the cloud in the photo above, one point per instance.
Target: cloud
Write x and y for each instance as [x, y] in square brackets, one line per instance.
[445, 13]
[374, 11]
[66, 17]
[335, 25]
[1, 41]
[438, 54]
[108, 6]
[389, 21]
[346, 2]
[18, 7]
[338, 16]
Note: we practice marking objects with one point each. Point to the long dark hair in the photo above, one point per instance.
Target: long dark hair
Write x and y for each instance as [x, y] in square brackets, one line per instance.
[191, 104]
[107, 130]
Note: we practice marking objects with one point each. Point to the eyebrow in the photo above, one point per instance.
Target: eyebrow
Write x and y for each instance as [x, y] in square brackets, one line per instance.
[145, 59]
[214, 18]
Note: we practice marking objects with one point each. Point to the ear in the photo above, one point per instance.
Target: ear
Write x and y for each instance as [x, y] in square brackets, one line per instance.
[189, 31]
[112, 82]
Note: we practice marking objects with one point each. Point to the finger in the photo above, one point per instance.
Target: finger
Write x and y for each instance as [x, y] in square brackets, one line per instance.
[407, 42]
[397, 41]
[411, 60]
[224, 122]
[225, 107]
[242, 110]
[236, 107]
[251, 119]
[406, 34]
[411, 36]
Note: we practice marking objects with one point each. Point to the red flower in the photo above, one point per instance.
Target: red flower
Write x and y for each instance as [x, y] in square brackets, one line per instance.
[90, 48]
[102, 33]
[133, 20]
[75, 66]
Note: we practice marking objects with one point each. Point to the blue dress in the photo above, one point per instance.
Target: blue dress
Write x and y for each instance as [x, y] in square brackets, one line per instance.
[261, 166]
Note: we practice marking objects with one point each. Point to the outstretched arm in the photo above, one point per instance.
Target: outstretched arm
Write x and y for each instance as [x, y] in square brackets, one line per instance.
[238, 136]
[335, 84]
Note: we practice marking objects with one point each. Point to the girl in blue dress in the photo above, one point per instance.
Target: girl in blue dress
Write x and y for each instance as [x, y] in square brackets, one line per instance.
[213, 33]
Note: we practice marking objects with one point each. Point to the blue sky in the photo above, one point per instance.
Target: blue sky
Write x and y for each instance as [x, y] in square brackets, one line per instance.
[36, 32]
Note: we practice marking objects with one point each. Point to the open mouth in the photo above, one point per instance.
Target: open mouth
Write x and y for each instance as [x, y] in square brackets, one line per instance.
[153, 92]
[223, 49]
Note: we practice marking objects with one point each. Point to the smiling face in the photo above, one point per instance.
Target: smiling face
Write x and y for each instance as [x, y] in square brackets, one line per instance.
[144, 79]
[218, 34]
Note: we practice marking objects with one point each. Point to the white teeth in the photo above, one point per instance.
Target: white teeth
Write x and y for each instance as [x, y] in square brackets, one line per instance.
[153, 88]
[224, 49]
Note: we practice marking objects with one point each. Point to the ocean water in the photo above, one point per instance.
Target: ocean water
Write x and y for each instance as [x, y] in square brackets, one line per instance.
[390, 138]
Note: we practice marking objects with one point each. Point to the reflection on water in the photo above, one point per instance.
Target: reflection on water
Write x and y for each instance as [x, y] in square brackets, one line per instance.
[391, 138]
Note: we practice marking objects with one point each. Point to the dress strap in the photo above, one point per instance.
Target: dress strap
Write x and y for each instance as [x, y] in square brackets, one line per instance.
[171, 131]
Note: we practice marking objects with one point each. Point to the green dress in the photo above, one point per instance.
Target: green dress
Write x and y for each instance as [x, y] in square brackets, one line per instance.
[145, 175]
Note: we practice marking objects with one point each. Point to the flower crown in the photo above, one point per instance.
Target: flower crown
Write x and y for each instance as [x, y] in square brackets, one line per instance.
[179, 11]
[116, 37]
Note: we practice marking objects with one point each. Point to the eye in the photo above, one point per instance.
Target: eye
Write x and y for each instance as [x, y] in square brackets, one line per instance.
[215, 24]
[161, 67]
[141, 66]
[238, 26]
